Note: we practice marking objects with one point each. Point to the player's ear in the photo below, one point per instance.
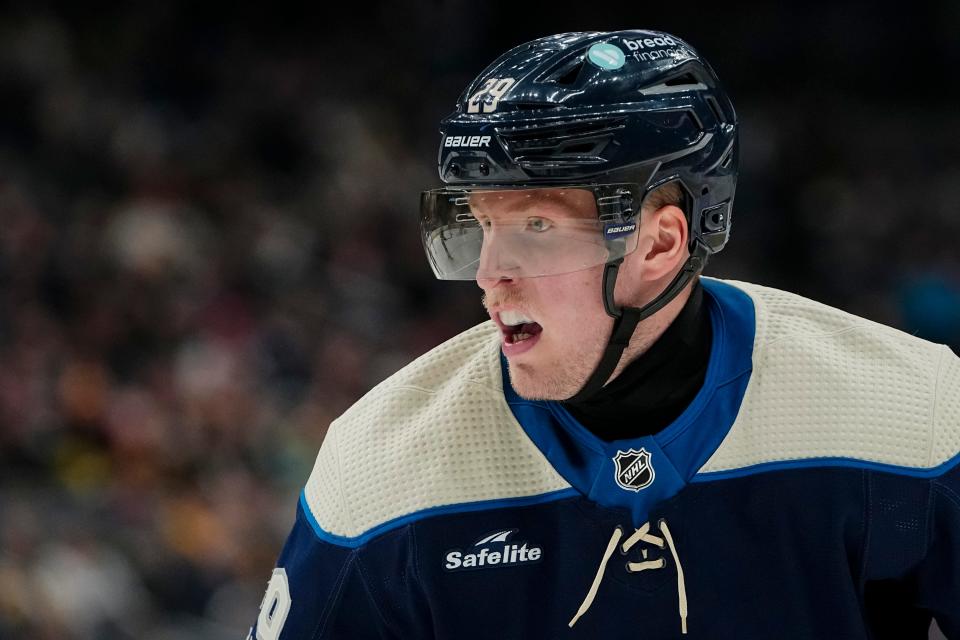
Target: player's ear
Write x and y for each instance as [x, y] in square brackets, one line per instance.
[662, 245]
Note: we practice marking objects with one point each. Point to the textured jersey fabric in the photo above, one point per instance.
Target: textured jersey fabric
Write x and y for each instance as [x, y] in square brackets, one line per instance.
[811, 489]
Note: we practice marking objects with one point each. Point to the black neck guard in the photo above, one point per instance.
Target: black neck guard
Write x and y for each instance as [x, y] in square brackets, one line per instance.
[656, 387]
[626, 319]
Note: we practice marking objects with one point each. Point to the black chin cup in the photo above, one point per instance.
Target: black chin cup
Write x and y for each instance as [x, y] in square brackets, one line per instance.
[626, 319]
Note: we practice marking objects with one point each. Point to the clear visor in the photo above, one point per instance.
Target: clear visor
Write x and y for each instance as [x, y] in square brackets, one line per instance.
[525, 233]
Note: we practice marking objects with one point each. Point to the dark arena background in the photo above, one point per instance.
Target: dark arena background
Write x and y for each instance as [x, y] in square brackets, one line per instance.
[209, 249]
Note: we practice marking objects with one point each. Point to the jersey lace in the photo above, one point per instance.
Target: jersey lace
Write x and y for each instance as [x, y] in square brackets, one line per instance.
[641, 534]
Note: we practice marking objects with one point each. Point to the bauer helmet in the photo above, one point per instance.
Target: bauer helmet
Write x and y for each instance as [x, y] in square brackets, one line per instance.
[615, 114]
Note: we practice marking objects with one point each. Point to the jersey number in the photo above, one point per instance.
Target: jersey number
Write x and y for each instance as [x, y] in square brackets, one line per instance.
[275, 607]
[489, 95]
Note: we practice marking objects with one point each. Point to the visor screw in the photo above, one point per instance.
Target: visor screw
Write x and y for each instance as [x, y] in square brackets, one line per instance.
[484, 169]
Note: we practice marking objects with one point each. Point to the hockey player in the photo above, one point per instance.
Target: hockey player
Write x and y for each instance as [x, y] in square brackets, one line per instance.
[627, 450]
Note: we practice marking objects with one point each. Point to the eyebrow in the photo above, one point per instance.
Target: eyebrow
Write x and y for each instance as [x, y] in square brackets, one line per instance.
[526, 204]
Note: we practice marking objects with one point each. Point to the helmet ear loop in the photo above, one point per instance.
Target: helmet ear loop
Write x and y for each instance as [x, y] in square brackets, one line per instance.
[610, 271]
[693, 266]
[627, 319]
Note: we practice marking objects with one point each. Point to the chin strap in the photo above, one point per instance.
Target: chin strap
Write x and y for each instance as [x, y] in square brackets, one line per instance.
[626, 319]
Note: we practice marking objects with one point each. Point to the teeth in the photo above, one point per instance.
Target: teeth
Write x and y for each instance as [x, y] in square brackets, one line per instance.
[513, 318]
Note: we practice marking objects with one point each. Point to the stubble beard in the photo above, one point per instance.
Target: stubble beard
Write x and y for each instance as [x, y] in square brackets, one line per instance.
[562, 376]
[552, 381]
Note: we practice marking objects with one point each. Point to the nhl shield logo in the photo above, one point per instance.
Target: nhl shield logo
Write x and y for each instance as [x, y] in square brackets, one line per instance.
[633, 469]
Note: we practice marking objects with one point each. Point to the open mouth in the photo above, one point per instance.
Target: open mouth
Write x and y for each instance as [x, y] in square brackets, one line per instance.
[517, 327]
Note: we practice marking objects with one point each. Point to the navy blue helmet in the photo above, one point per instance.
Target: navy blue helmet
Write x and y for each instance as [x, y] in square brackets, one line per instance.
[627, 107]
[617, 114]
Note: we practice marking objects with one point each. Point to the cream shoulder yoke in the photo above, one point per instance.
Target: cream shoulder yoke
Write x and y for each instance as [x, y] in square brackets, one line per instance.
[437, 433]
[825, 385]
[830, 385]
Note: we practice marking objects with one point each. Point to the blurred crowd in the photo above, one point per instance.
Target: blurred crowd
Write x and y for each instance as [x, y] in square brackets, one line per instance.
[209, 249]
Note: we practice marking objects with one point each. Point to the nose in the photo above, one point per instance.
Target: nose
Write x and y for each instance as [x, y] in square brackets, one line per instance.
[497, 264]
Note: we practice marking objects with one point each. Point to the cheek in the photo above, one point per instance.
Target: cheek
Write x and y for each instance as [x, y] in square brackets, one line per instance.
[575, 305]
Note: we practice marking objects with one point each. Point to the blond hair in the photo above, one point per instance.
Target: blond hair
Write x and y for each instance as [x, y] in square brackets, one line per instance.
[665, 194]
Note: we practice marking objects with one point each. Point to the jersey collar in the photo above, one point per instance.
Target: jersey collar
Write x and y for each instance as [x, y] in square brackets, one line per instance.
[638, 473]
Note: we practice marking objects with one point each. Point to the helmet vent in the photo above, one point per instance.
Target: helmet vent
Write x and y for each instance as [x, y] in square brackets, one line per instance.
[580, 147]
[567, 130]
[684, 82]
[559, 145]
[571, 74]
[567, 72]
[715, 107]
[727, 159]
[685, 79]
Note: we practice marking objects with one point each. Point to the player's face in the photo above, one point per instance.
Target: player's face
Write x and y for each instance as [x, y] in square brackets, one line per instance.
[553, 328]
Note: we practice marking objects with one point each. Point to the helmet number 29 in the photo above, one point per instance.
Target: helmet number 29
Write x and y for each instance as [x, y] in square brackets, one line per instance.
[489, 95]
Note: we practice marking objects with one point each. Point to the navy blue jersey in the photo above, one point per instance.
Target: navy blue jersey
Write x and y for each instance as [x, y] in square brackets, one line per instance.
[810, 490]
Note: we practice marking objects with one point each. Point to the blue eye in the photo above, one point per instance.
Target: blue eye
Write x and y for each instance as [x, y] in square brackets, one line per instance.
[538, 224]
